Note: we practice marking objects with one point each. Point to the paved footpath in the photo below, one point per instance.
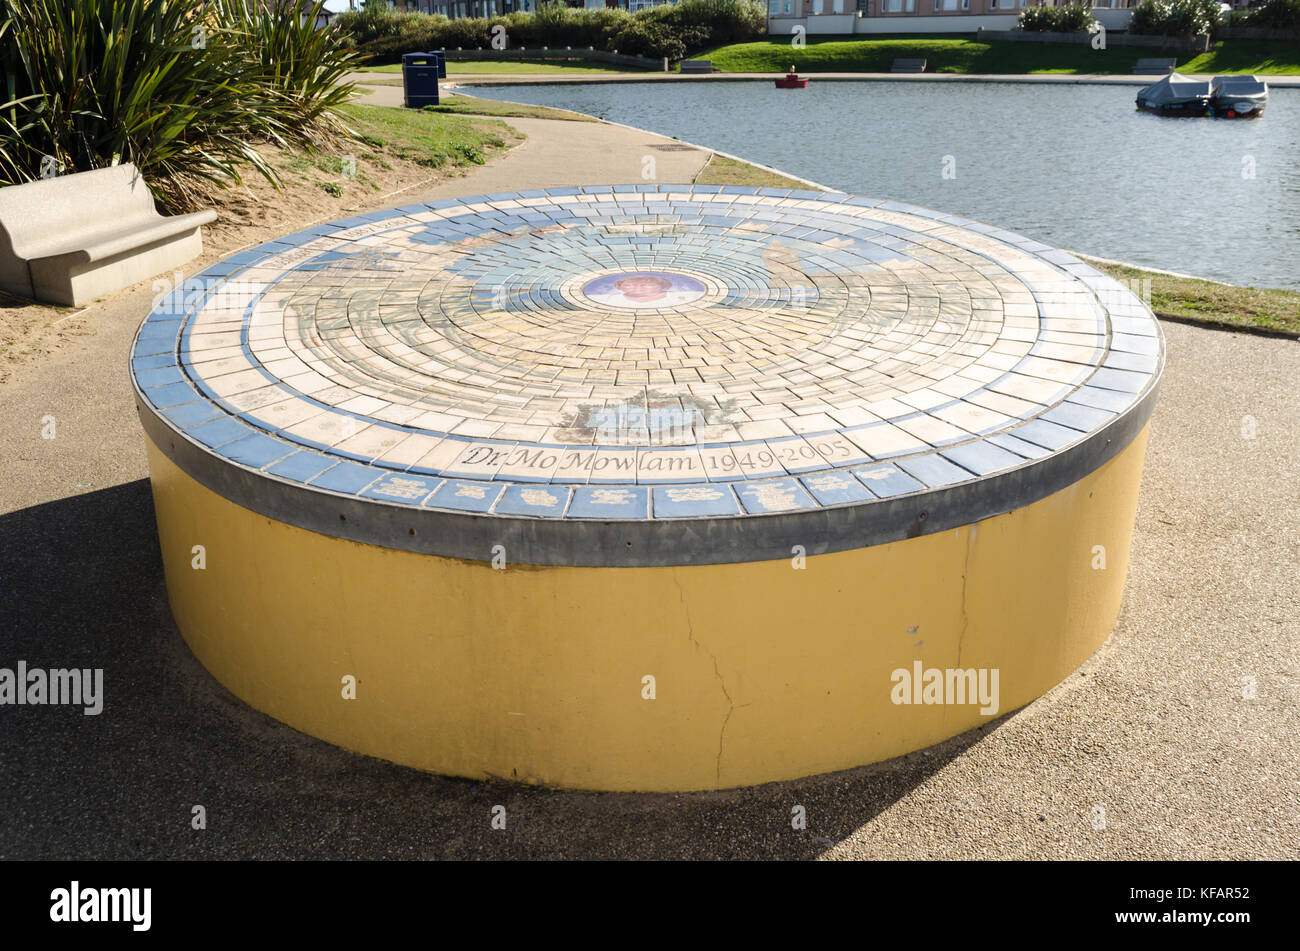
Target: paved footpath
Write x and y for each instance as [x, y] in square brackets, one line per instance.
[1154, 729]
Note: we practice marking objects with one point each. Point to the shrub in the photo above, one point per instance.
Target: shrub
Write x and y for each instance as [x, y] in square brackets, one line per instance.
[373, 22]
[1174, 17]
[727, 21]
[1037, 19]
[646, 36]
[302, 66]
[181, 91]
[666, 30]
[1275, 15]
[1071, 18]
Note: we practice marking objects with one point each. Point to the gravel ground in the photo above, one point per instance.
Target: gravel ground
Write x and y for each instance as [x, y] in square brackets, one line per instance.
[1154, 729]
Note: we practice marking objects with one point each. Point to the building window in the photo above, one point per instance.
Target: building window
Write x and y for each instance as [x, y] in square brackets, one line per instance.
[897, 6]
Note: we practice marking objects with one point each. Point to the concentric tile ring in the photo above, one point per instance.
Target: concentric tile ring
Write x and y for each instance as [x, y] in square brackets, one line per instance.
[629, 366]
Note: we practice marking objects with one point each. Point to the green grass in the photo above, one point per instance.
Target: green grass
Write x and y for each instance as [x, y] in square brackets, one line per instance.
[426, 138]
[721, 170]
[469, 67]
[302, 165]
[472, 106]
[966, 55]
[1220, 305]
[1247, 56]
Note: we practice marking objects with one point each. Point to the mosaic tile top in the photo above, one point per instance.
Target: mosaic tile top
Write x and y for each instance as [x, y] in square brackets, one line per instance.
[644, 352]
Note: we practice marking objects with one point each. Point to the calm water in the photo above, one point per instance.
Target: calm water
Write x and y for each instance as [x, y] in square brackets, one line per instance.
[1074, 166]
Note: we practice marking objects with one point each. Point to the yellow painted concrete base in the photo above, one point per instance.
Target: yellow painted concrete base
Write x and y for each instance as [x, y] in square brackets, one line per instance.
[761, 671]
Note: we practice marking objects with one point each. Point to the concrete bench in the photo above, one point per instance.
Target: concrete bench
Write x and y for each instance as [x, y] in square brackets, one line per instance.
[1147, 67]
[908, 66]
[697, 66]
[72, 238]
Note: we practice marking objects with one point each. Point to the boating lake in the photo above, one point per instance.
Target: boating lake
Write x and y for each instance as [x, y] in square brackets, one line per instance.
[1075, 166]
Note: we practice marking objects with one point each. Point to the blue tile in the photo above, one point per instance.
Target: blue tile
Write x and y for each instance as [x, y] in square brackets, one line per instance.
[346, 478]
[160, 377]
[1113, 400]
[403, 488]
[835, 488]
[149, 345]
[301, 466]
[934, 470]
[161, 325]
[1049, 435]
[1138, 362]
[1119, 380]
[218, 432]
[251, 256]
[981, 458]
[186, 415]
[153, 363]
[887, 480]
[465, 495]
[694, 501]
[1083, 418]
[1131, 343]
[773, 495]
[256, 450]
[1018, 446]
[547, 501]
[221, 269]
[612, 502]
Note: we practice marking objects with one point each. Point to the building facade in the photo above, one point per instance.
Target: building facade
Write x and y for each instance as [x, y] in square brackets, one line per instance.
[914, 8]
[848, 17]
[455, 9]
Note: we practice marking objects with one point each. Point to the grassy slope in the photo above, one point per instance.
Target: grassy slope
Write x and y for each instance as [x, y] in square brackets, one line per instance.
[965, 55]
[1246, 56]
[1216, 304]
[721, 170]
[464, 67]
[426, 138]
[473, 106]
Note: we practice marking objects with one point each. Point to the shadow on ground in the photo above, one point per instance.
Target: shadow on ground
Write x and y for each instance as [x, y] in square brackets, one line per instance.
[81, 584]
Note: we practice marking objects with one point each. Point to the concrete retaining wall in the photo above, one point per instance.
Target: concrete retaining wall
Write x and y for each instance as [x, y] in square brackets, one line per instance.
[849, 24]
[544, 53]
[1179, 43]
[1255, 33]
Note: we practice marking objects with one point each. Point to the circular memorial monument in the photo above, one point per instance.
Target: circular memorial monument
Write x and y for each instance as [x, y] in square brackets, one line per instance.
[646, 487]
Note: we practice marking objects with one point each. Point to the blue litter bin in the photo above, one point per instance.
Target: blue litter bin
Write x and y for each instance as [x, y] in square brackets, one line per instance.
[420, 79]
[442, 63]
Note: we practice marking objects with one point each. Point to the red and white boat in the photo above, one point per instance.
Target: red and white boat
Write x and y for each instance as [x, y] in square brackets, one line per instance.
[791, 81]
